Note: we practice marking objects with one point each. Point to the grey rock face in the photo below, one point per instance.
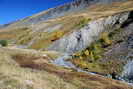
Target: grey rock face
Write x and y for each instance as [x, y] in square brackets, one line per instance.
[130, 42]
[128, 71]
[82, 38]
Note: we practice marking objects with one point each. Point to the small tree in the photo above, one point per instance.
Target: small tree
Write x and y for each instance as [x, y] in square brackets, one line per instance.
[3, 42]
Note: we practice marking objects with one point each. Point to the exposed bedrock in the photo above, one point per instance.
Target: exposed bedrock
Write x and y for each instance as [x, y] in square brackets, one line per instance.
[128, 69]
[82, 38]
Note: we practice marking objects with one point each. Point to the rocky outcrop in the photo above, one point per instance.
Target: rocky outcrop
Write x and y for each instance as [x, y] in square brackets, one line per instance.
[128, 71]
[81, 39]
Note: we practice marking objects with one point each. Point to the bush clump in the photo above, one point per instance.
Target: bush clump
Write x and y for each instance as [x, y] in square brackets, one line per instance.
[3, 42]
[96, 49]
[83, 22]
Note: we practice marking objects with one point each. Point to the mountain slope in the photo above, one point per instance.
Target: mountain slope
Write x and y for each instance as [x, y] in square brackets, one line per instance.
[42, 34]
[95, 35]
[76, 6]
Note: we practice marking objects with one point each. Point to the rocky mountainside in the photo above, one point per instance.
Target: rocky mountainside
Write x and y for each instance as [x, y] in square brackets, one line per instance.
[75, 6]
[89, 39]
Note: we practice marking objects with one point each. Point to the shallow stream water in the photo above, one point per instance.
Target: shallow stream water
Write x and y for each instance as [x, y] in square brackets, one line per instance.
[62, 61]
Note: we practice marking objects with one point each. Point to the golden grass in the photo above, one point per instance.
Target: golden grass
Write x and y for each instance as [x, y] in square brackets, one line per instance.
[12, 34]
[13, 76]
[99, 11]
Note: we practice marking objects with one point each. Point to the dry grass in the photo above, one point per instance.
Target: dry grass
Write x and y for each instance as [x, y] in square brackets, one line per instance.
[21, 73]
[12, 76]
[98, 11]
[12, 34]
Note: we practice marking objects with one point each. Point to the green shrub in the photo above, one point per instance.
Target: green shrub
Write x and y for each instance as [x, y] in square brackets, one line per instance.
[3, 42]
[92, 53]
[83, 22]
[96, 49]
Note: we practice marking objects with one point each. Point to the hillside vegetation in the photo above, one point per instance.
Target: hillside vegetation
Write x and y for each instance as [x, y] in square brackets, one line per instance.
[97, 38]
[44, 33]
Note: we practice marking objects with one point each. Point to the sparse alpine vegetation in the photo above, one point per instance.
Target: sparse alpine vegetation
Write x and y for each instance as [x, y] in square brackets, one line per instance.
[3, 42]
[91, 58]
[97, 39]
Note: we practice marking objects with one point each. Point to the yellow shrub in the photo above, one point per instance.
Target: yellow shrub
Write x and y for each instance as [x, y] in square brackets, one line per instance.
[81, 57]
[105, 37]
[77, 54]
[87, 53]
[92, 55]
[59, 34]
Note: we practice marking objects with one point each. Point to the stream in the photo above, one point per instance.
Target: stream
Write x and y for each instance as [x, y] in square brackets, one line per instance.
[62, 61]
